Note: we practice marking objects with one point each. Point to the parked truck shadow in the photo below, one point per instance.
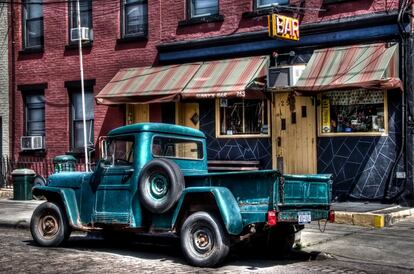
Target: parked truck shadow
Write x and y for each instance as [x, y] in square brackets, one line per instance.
[168, 249]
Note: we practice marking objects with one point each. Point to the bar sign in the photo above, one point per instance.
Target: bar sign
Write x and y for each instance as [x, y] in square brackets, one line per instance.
[283, 27]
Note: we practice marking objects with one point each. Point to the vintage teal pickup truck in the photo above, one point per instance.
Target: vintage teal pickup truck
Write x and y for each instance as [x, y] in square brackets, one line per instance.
[153, 178]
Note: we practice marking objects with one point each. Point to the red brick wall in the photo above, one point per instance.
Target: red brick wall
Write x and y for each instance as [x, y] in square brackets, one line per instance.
[57, 65]
[234, 23]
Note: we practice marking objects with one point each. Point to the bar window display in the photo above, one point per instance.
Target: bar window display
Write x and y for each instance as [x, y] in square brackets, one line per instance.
[242, 118]
[354, 112]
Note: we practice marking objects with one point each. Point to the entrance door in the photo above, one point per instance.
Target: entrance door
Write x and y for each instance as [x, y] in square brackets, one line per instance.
[138, 113]
[294, 133]
[187, 114]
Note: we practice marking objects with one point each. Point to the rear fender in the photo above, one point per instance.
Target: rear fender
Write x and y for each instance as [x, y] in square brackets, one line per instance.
[223, 199]
[65, 197]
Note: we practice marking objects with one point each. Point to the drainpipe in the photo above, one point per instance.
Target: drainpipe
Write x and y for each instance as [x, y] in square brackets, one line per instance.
[12, 85]
[407, 104]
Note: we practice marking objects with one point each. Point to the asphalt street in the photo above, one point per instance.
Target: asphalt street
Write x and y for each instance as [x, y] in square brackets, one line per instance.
[338, 250]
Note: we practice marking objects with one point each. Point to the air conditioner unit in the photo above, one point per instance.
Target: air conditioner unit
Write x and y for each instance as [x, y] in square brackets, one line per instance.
[282, 77]
[85, 34]
[32, 143]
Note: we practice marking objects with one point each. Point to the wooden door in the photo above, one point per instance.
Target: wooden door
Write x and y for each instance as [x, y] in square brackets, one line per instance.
[187, 114]
[294, 133]
[138, 113]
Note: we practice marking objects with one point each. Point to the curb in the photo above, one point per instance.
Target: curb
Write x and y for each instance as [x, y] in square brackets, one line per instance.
[21, 224]
[372, 219]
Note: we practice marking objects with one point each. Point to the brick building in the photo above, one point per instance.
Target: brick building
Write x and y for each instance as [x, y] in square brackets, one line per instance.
[204, 63]
[4, 81]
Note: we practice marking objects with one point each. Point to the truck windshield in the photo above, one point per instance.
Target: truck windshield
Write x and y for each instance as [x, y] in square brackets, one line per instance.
[177, 148]
[119, 151]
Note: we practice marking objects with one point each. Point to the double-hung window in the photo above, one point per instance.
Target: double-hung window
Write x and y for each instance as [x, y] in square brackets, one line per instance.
[85, 18]
[34, 113]
[77, 119]
[135, 18]
[32, 24]
[268, 3]
[200, 8]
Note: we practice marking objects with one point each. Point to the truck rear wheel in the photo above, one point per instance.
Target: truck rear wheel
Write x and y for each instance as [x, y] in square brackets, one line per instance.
[160, 185]
[49, 225]
[203, 240]
[281, 240]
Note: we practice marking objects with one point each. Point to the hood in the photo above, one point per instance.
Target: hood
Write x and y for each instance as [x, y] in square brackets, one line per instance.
[69, 179]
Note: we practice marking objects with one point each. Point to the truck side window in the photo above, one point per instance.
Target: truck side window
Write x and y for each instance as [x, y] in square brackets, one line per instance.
[120, 151]
[177, 148]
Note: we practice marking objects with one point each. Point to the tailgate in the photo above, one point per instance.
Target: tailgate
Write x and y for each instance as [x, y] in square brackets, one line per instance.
[306, 190]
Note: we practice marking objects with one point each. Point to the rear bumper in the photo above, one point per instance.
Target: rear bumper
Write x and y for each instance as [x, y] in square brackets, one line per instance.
[291, 216]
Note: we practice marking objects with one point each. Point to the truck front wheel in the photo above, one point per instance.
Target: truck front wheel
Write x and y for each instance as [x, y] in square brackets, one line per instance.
[204, 241]
[49, 225]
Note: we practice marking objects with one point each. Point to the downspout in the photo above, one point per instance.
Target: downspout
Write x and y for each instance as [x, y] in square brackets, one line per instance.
[404, 132]
[12, 85]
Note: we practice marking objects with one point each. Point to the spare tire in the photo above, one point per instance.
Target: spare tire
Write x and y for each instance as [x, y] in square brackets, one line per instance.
[160, 185]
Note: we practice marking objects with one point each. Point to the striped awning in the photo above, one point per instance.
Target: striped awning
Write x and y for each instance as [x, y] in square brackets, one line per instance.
[371, 66]
[222, 78]
[147, 84]
[228, 78]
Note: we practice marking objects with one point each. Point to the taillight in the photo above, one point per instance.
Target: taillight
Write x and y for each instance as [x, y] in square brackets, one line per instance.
[331, 216]
[272, 218]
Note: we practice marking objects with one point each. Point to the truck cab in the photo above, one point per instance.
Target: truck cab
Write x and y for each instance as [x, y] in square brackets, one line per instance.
[153, 178]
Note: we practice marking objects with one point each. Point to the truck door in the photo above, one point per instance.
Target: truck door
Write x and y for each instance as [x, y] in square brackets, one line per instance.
[113, 194]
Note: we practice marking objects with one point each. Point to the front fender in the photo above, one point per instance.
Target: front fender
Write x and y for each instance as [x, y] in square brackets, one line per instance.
[68, 199]
[226, 203]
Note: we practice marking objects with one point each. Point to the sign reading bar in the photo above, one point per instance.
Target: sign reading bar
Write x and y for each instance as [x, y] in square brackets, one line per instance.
[283, 27]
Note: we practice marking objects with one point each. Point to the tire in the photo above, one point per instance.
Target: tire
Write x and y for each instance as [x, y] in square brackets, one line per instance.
[280, 241]
[160, 185]
[203, 226]
[49, 225]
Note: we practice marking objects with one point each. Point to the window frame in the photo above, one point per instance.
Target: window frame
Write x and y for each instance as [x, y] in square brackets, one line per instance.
[123, 20]
[36, 92]
[257, 7]
[179, 138]
[353, 134]
[127, 138]
[72, 24]
[72, 121]
[190, 11]
[218, 122]
[25, 46]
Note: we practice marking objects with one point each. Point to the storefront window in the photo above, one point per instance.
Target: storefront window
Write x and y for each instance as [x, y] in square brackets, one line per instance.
[353, 112]
[239, 117]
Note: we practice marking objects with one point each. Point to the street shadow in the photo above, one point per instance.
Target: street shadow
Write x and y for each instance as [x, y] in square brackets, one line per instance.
[169, 249]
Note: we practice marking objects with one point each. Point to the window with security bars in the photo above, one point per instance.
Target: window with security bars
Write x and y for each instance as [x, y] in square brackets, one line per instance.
[200, 8]
[35, 114]
[32, 24]
[77, 119]
[134, 17]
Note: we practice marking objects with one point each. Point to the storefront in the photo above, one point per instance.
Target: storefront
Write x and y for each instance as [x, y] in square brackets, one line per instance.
[343, 116]
[225, 99]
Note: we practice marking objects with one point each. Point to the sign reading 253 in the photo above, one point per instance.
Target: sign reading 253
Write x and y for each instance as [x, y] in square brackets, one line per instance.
[283, 27]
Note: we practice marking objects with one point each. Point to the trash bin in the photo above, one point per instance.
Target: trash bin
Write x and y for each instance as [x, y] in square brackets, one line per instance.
[64, 163]
[22, 183]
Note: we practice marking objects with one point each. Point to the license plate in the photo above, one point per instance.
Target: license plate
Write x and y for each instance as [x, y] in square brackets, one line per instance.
[304, 217]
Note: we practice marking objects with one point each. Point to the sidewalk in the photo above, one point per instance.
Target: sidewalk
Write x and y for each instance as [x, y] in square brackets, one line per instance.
[18, 213]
